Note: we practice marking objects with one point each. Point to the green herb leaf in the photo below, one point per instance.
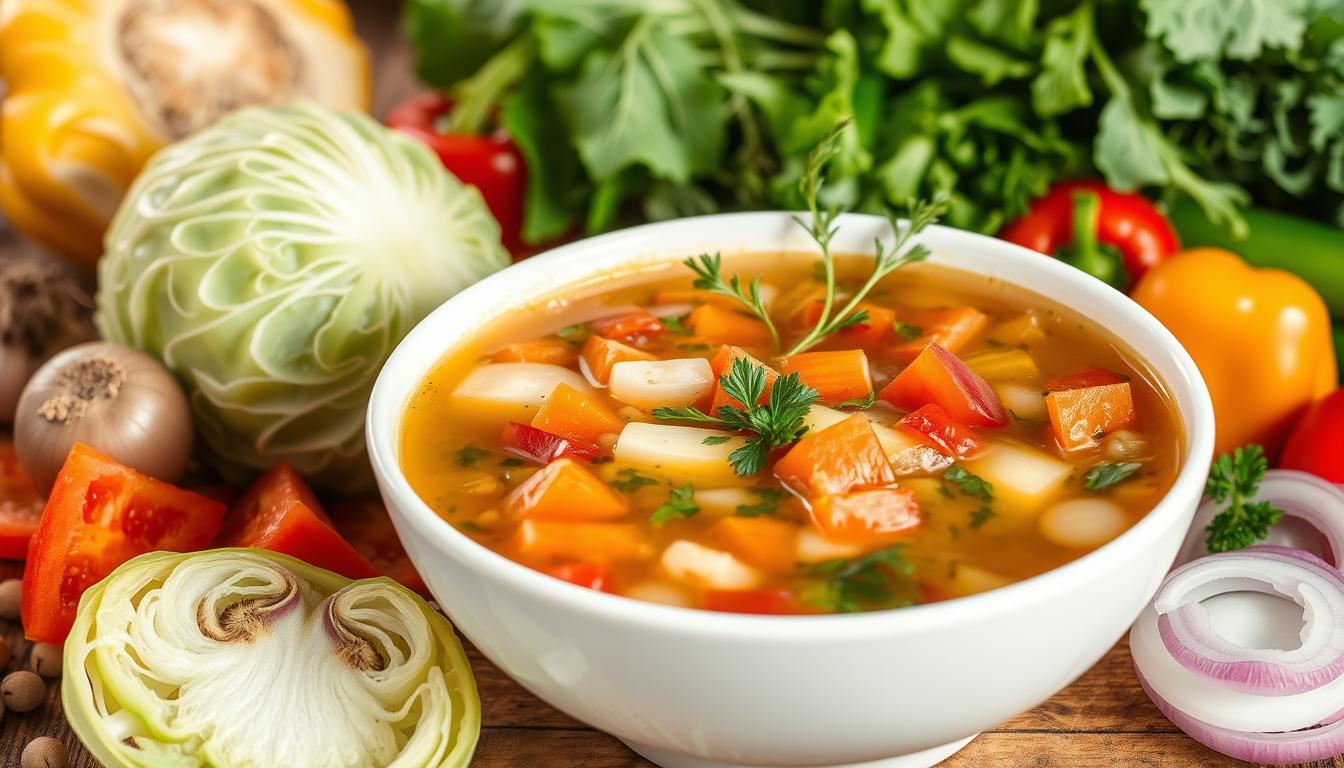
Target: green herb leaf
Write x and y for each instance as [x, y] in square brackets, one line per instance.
[981, 515]
[859, 403]
[469, 454]
[969, 484]
[511, 462]
[715, 440]
[879, 579]
[628, 481]
[768, 504]
[709, 277]
[680, 504]
[907, 331]
[1103, 476]
[1234, 479]
[676, 324]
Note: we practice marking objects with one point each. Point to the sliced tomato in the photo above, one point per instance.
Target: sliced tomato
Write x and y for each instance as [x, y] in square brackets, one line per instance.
[772, 602]
[281, 514]
[20, 506]
[365, 524]
[591, 575]
[938, 376]
[542, 447]
[931, 424]
[1092, 377]
[101, 514]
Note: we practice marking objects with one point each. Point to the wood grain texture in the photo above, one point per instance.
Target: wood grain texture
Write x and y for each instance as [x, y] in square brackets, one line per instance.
[1102, 721]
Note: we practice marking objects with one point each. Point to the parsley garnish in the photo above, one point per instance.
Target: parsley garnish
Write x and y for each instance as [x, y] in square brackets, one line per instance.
[906, 331]
[511, 462]
[1234, 479]
[715, 440]
[1103, 476]
[676, 324]
[681, 504]
[768, 504]
[981, 516]
[861, 583]
[469, 454]
[777, 423]
[859, 403]
[969, 484]
[629, 481]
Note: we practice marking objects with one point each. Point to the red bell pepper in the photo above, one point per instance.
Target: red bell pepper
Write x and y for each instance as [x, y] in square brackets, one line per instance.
[489, 161]
[542, 447]
[596, 576]
[1316, 444]
[931, 424]
[101, 514]
[767, 602]
[20, 506]
[365, 524]
[1114, 236]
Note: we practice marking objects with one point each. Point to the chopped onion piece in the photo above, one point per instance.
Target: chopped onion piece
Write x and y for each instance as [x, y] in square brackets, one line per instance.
[649, 384]
[511, 391]
[1313, 517]
[700, 565]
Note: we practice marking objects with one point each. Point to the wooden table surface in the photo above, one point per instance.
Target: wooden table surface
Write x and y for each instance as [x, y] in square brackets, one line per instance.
[1103, 720]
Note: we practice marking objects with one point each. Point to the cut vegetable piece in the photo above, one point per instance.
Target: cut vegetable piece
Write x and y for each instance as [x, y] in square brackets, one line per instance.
[1079, 417]
[510, 391]
[952, 329]
[1023, 477]
[1092, 377]
[636, 327]
[705, 567]
[1026, 328]
[662, 383]
[838, 376]
[871, 516]
[1083, 523]
[20, 506]
[576, 415]
[768, 544]
[1025, 403]
[876, 329]
[720, 365]
[589, 542]
[1004, 365]
[815, 548]
[938, 377]
[99, 515]
[836, 459]
[724, 501]
[542, 447]
[280, 513]
[364, 523]
[548, 351]
[565, 490]
[764, 602]
[908, 455]
[599, 355]
[970, 580]
[935, 427]
[718, 325]
[680, 452]
[595, 576]
[662, 592]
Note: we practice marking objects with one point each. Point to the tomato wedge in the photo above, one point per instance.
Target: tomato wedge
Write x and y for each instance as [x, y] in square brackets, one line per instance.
[281, 514]
[365, 524]
[20, 506]
[938, 376]
[100, 515]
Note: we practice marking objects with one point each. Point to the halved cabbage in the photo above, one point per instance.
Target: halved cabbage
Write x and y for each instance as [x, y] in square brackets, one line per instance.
[250, 659]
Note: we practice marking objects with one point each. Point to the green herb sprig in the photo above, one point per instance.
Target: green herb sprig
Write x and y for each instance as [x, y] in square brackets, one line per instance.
[777, 423]
[1234, 479]
[862, 583]
[680, 505]
[1104, 476]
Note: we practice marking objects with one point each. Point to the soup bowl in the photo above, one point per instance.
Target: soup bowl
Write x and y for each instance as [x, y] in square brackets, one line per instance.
[694, 689]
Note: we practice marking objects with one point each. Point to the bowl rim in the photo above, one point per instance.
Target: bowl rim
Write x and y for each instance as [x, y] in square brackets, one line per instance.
[388, 399]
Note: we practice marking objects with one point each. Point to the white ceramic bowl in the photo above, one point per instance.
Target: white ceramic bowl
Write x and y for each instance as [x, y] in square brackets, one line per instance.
[692, 688]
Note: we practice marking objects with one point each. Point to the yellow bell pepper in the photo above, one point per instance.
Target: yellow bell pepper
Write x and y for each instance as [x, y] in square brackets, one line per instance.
[1261, 338]
[96, 86]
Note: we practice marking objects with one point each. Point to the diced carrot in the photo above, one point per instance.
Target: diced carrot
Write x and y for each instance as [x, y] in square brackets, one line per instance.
[951, 328]
[768, 544]
[838, 376]
[764, 601]
[719, 325]
[636, 327]
[572, 414]
[552, 351]
[837, 459]
[1092, 377]
[875, 329]
[937, 376]
[589, 542]
[600, 354]
[565, 490]
[872, 515]
[1079, 416]
[933, 425]
[721, 362]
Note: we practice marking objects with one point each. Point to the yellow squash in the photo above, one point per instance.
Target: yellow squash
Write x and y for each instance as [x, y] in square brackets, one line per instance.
[96, 86]
[1261, 338]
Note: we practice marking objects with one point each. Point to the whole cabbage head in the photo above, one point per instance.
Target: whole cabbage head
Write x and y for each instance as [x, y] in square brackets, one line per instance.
[273, 261]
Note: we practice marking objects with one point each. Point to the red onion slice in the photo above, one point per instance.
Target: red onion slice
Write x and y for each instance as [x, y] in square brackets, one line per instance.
[1301, 746]
[1186, 626]
[1313, 516]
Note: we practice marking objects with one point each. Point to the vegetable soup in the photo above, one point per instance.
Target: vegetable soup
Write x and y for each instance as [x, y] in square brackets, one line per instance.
[641, 436]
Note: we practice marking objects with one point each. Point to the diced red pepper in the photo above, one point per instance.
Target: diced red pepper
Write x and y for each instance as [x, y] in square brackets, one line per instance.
[591, 575]
[934, 426]
[938, 376]
[542, 447]
[20, 506]
[366, 525]
[637, 327]
[766, 602]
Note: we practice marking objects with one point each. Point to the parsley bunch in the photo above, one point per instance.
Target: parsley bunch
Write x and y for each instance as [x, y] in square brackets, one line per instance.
[878, 579]
[777, 423]
[1234, 479]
